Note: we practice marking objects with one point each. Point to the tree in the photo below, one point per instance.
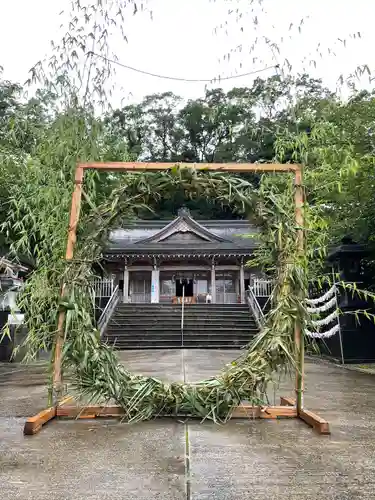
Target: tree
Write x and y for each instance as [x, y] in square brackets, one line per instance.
[128, 124]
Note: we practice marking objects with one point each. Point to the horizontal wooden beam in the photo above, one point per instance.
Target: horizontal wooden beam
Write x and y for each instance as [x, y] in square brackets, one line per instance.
[243, 411]
[216, 167]
[89, 411]
[268, 412]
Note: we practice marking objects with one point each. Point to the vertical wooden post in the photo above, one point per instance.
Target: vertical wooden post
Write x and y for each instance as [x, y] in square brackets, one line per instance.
[298, 334]
[125, 293]
[213, 282]
[242, 283]
[72, 237]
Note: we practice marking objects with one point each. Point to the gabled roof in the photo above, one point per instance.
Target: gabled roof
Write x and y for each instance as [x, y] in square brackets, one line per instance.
[183, 235]
[183, 225]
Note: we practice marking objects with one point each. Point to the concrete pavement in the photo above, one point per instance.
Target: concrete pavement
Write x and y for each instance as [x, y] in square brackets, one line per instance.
[168, 460]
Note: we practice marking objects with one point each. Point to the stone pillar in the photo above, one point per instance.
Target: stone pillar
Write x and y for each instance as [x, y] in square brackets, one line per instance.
[155, 276]
[242, 283]
[126, 285]
[213, 283]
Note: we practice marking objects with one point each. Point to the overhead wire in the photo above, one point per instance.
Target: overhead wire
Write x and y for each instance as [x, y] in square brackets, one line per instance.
[179, 79]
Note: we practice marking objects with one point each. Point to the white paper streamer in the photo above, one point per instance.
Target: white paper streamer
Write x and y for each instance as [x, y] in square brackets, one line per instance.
[323, 335]
[327, 320]
[325, 307]
[323, 298]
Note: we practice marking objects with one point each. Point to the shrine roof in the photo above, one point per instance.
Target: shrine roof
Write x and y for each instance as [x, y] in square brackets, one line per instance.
[183, 233]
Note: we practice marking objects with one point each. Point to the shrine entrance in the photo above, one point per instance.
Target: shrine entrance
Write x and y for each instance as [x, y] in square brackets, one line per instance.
[184, 287]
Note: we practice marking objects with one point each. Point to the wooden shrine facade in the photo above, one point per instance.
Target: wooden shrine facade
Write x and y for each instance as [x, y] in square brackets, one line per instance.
[161, 261]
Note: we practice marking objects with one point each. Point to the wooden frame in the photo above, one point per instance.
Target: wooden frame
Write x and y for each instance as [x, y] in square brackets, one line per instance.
[35, 423]
[64, 409]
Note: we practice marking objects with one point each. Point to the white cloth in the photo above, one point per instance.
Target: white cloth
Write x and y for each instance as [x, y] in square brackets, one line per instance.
[325, 307]
[327, 320]
[323, 298]
[323, 335]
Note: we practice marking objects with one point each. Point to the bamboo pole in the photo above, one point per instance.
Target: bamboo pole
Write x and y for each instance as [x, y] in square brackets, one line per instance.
[298, 334]
[72, 238]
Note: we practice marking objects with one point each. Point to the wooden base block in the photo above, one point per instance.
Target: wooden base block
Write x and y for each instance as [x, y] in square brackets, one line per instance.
[318, 423]
[34, 424]
[287, 401]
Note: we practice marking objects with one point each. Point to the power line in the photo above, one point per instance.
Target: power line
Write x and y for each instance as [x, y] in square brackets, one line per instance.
[175, 78]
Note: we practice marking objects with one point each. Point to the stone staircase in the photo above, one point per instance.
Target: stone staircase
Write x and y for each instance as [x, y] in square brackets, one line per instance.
[158, 326]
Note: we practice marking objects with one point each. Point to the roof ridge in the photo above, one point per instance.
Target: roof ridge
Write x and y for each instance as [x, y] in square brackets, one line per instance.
[175, 226]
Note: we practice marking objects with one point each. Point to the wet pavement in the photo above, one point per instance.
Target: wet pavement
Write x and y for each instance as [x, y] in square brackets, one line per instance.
[170, 460]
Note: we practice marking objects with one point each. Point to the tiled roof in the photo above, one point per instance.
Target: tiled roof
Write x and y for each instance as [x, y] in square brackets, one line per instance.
[185, 234]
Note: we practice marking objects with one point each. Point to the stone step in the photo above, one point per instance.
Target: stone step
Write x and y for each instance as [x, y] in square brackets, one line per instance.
[196, 332]
[145, 326]
[193, 308]
[164, 342]
[166, 331]
[178, 312]
[164, 304]
[174, 346]
[186, 345]
[157, 322]
[196, 317]
[188, 317]
[178, 338]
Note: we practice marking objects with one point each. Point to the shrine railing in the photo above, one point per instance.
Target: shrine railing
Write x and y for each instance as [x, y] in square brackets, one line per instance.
[255, 307]
[103, 287]
[262, 288]
[108, 310]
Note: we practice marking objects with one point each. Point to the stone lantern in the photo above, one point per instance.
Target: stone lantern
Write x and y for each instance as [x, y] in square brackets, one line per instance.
[357, 332]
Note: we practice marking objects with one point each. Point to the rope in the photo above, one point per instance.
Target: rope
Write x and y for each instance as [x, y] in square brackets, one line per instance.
[323, 298]
[323, 335]
[179, 79]
[327, 320]
[327, 301]
[325, 307]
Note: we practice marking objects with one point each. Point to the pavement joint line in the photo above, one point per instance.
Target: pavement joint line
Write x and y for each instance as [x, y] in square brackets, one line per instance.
[183, 364]
[187, 463]
[187, 439]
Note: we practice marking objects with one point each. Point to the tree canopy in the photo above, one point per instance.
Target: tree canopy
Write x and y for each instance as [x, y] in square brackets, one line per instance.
[292, 119]
[282, 118]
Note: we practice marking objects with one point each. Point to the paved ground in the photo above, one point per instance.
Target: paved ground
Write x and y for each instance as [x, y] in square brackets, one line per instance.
[256, 459]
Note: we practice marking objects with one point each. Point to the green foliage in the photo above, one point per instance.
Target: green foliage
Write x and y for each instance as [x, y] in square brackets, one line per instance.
[41, 139]
[338, 152]
[98, 376]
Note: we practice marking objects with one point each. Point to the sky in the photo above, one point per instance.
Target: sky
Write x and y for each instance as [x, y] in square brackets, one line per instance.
[178, 38]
